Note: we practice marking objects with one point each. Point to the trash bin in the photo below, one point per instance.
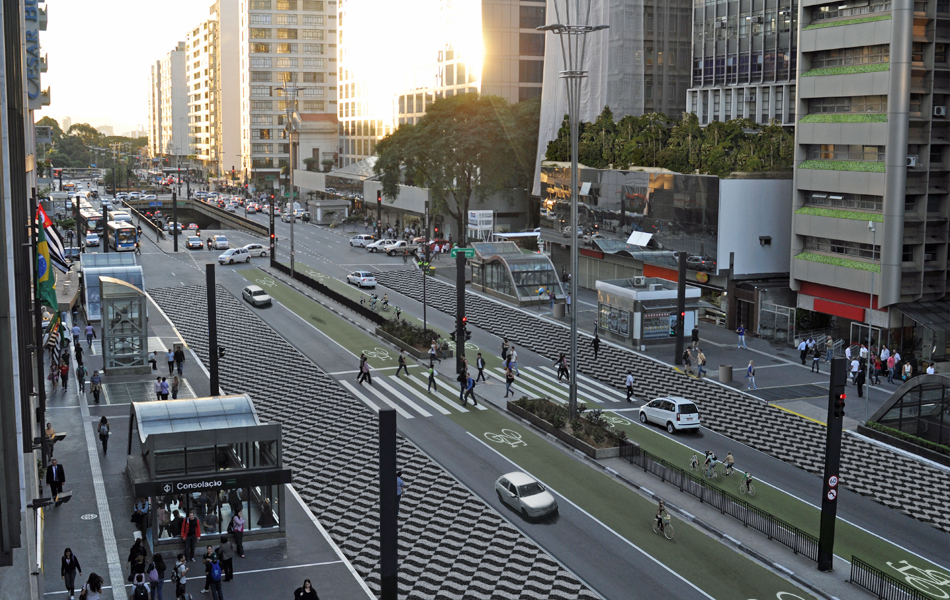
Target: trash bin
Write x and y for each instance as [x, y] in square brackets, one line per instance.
[558, 310]
[725, 373]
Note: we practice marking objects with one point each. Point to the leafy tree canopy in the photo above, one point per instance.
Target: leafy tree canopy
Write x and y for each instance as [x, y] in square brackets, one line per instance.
[656, 140]
[79, 146]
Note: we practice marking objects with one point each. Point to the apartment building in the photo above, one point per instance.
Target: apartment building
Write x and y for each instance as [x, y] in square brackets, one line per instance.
[172, 97]
[287, 51]
[213, 80]
[155, 145]
[872, 175]
[744, 61]
[483, 46]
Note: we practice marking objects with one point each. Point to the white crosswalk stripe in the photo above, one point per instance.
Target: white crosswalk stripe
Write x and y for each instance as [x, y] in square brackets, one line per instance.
[381, 382]
[582, 383]
[412, 390]
[423, 382]
[359, 394]
[529, 388]
[538, 382]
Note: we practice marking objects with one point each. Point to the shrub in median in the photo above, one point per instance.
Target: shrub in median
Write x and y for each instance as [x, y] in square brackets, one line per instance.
[411, 334]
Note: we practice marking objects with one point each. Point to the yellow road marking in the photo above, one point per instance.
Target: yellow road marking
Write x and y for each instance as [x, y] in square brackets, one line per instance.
[822, 423]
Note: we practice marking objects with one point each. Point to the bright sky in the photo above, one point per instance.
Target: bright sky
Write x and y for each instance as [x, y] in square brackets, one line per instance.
[99, 52]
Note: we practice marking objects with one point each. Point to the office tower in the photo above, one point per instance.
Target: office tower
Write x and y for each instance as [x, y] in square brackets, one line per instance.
[172, 97]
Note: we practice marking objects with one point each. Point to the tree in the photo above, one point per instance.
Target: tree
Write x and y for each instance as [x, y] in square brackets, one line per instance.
[327, 164]
[310, 163]
[460, 151]
[86, 133]
[54, 124]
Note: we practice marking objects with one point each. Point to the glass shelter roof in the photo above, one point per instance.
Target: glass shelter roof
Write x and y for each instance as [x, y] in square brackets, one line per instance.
[202, 414]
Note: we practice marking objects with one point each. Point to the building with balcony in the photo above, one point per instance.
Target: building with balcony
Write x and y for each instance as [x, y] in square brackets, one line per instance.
[287, 64]
[744, 61]
[872, 175]
[168, 105]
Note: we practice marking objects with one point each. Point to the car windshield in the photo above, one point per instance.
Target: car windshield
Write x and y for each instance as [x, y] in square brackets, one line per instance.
[688, 409]
[220, 238]
[258, 293]
[529, 489]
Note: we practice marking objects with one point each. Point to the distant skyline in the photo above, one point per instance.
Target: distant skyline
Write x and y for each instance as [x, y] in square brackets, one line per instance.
[99, 52]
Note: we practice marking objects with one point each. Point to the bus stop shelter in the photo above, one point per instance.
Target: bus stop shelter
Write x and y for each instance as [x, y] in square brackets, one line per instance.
[210, 455]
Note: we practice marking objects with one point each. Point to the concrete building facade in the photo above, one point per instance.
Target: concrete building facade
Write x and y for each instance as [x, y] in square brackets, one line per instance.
[284, 44]
[173, 103]
[744, 61]
[871, 204]
[155, 144]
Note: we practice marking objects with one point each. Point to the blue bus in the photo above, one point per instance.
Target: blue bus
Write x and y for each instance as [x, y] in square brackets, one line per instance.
[122, 235]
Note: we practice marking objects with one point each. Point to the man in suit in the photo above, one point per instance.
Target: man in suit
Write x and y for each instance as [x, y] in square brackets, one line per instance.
[55, 478]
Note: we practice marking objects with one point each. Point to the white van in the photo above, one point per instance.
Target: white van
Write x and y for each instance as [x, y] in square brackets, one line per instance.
[361, 240]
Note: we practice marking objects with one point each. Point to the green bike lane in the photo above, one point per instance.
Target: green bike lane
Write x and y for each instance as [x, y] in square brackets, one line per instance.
[625, 512]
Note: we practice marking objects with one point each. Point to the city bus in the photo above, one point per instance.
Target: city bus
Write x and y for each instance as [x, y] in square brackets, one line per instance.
[119, 215]
[90, 220]
[122, 235]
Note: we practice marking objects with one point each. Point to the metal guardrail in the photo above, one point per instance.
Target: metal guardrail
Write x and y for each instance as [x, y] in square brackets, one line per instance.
[883, 585]
[225, 217]
[800, 542]
[332, 294]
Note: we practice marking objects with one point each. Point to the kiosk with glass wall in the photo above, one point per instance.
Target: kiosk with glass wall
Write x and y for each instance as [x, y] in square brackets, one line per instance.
[503, 269]
[210, 455]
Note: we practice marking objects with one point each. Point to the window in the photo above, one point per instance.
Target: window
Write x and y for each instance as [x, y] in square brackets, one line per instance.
[286, 48]
[262, 62]
[527, 93]
[287, 63]
[286, 4]
[854, 249]
[314, 63]
[311, 5]
[312, 34]
[313, 49]
[531, 71]
[260, 19]
[847, 201]
[260, 90]
[847, 9]
[260, 33]
[286, 77]
[863, 55]
[846, 152]
[313, 77]
[852, 104]
[286, 19]
[260, 4]
[313, 105]
[262, 105]
[319, 92]
[262, 120]
[286, 34]
[259, 48]
[260, 76]
[262, 148]
[532, 17]
[531, 44]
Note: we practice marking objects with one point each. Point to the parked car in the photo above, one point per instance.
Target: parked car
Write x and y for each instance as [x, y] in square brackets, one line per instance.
[92, 238]
[379, 245]
[72, 253]
[361, 240]
[400, 247]
[256, 296]
[194, 243]
[700, 263]
[257, 250]
[233, 255]
[673, 412]
[362, 279]
[525, 494]
[220, 243]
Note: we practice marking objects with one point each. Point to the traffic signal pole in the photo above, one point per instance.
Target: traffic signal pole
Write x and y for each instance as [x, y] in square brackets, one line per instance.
[680, 309]
[212, 329]
[379, 214]
[829, 495]
[460, 310]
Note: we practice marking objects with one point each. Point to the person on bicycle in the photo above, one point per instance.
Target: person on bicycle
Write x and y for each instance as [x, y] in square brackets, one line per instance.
[710, 462]
[385, 301]
[729, 461]
[693, 462]
[747, 479]
[660, 511]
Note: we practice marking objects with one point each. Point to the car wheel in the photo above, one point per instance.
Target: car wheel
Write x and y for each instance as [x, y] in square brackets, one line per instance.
[643, 417]
[263, 254]
[524, 513]
[670, 428]
[231, 262]
[391, 253]
[351, 244]
[500, 499]
[248, 259]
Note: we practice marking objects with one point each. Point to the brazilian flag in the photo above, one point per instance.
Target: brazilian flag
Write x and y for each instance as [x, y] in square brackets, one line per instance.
[45, 277]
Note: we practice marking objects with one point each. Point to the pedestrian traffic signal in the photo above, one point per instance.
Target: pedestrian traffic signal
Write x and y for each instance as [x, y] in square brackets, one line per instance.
[379, 196]
[839, 405]
[220, 351]
[452, 335]
[468, 334]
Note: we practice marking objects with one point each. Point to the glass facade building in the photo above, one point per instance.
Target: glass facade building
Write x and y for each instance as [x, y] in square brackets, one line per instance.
[503, 269]
[920, 407]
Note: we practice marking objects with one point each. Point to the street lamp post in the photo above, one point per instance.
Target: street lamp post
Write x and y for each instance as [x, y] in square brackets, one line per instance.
[572, 32]
[290, 126]
[867, 401]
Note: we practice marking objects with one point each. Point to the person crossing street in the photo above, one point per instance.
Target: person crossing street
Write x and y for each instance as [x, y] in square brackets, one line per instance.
[402, 363]
[480, 365]
[629, 385]
[469, 390]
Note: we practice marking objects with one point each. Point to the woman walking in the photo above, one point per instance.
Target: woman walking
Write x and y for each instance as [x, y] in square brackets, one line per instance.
[64, 373]
[95, 385]
[306, 592]
[93, 587]
[750, 375]
[509, 379]
[175, 384]
[156, 576]
[432, 379]
[68, 569]
[104, 431]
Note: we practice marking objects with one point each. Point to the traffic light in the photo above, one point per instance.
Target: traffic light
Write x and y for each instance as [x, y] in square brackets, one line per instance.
[436, 232]
[379, 196]
[468, 335]
[452, 335]
[220, 351]
[839, 405]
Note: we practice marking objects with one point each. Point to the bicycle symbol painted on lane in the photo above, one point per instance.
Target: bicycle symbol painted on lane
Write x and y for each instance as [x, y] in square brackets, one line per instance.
[616, 421]
[379, 353]
[266, 282]
[507, 436]
[316, 275]
[468, 346]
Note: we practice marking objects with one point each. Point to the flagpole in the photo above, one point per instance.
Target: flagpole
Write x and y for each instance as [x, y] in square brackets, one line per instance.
[38, 322]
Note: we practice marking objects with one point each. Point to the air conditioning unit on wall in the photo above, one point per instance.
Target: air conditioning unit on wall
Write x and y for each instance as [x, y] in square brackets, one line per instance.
[940, 111]
[911, 161]
[639, 281]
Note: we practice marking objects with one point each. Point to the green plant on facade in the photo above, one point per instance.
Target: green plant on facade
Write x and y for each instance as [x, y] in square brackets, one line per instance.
[848, 70]
[839, 214]
[913, 439]
[861, 166]
[839, 262]
[848, 22]
[845, 118]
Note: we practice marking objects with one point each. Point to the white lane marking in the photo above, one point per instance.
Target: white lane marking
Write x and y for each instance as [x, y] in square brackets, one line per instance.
[419, 394]
[359, 396]
[403, 398]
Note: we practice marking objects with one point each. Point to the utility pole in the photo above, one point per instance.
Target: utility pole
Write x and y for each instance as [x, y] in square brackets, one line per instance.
[212, 329]
[829, 498]
[388, 506]
[290, 127]
[680, 310]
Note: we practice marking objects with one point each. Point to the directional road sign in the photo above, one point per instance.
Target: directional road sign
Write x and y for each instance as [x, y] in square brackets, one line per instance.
[466, 252]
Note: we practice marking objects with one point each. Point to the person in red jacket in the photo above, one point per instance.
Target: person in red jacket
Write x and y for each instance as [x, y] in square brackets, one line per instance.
[191, 533]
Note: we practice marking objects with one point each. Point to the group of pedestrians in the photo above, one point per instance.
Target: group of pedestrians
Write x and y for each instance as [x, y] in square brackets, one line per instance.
[59, 372]
[163, 387]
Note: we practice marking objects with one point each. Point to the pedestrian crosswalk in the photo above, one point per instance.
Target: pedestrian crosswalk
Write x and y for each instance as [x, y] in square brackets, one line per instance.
[539, 382]
[408, 395]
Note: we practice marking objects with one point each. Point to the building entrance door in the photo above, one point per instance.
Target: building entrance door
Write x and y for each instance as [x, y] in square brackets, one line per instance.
[859, 335]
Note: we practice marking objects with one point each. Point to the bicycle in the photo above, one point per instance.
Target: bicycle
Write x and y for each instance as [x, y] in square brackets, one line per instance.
[746, 486]
[694, 463]
[728, 469]
[710, 472]
[666, 527]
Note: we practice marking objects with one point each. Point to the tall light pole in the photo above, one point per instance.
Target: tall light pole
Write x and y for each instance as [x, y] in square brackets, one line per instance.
[572, 24]
[290, 126]
[867, 400]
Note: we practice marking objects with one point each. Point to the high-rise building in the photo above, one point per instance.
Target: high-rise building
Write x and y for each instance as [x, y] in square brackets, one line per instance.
[744, 61]
[287, 53]
[106, 130]
[453, 47]
[871, 205]
[168, 105]
[67, 123]
[213, 78]
[155, 144]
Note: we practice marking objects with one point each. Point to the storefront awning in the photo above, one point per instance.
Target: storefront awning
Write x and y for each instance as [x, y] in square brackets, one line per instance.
[934, 315]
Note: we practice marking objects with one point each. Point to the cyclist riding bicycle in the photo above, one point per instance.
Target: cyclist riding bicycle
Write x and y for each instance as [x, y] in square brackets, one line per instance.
[710, 462]
[660, 511]
[385, 301]
[747, 479]
[693, 463]
[729, 462]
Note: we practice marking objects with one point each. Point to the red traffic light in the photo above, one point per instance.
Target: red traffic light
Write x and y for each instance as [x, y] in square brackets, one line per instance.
[464, 320]
[379, 196]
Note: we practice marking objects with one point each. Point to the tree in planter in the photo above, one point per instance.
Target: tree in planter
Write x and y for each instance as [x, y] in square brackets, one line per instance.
[328, 164]
[311, 163]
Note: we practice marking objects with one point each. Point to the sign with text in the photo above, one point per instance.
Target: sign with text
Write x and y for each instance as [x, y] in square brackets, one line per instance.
[466, 252]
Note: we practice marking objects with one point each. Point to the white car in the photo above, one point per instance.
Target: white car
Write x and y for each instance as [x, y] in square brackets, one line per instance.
[362, 279]
[92, 238]
[400, 247]
[220, 243]
[525, 494]
[257, 250]
[229, 257]
[673, 412]
[362, 240]
[378, 246]
[256, 296]
[230, 207]
[150, 197]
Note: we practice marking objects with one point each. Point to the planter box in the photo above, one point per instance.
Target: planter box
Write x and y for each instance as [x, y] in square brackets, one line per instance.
[570, 440]
[421, 355]
[911, 447]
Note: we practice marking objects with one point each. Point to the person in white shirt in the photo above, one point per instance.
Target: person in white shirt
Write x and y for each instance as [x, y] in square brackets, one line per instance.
[864, 351]
[931, 370]
[855, 366]
[885, 353]
[847, 353]
[629, 386]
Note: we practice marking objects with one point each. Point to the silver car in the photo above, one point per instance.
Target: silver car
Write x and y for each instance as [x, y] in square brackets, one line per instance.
[525, 494]
[256, 296]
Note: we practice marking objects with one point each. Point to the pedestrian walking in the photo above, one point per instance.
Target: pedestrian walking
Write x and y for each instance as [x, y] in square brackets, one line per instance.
[55, 478]
[551, 297]
[847, 353]
[64, 373]
[629, 385]
[156, 575]
[191, 533]
[215, 574]
[400, 487]
[141, 513]
[855, 367]
[49, 438]
[803, 351]
[480, 365]
[78, 351]
[105, 430]
[306, 592]
[76, 331]
[504, 349]
[434, 351]
[69, 567]
[175, 385]
[694, 336]
[95, 385]
[364, 372]
[158, 388]
[469, 390]
[687, 361]
[237, 530]
[180, 360]
[170, 358]
[226, 558]
[509, 379]
[907, 372]
[829, 348]
[860, 380]
[816, 361]
[890, 368]
[179, 577]
[53, 375]
[876, 368]
[432, 383]
[567, 302]
[402, 363]
[561, 364]
[153, 360]
[93, 588]
[595, 344]
[701, 362]
[750, 375]
[81, 378]
[513, 360]
[164, 388]
[740, 331]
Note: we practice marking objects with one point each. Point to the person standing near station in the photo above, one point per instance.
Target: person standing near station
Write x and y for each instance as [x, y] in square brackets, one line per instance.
[595, 344]
[191, 534]
[700, 362]
[694, 336]
[740, 331]
[170, 358]
[750, 375]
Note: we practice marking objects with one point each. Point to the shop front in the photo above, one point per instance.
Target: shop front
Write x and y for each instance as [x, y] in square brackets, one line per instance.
[212, 456]
[642, 310]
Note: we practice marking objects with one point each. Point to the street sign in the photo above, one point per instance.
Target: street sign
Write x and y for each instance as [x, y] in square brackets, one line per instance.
[466, 252]
[833, 481]
[832, 494]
